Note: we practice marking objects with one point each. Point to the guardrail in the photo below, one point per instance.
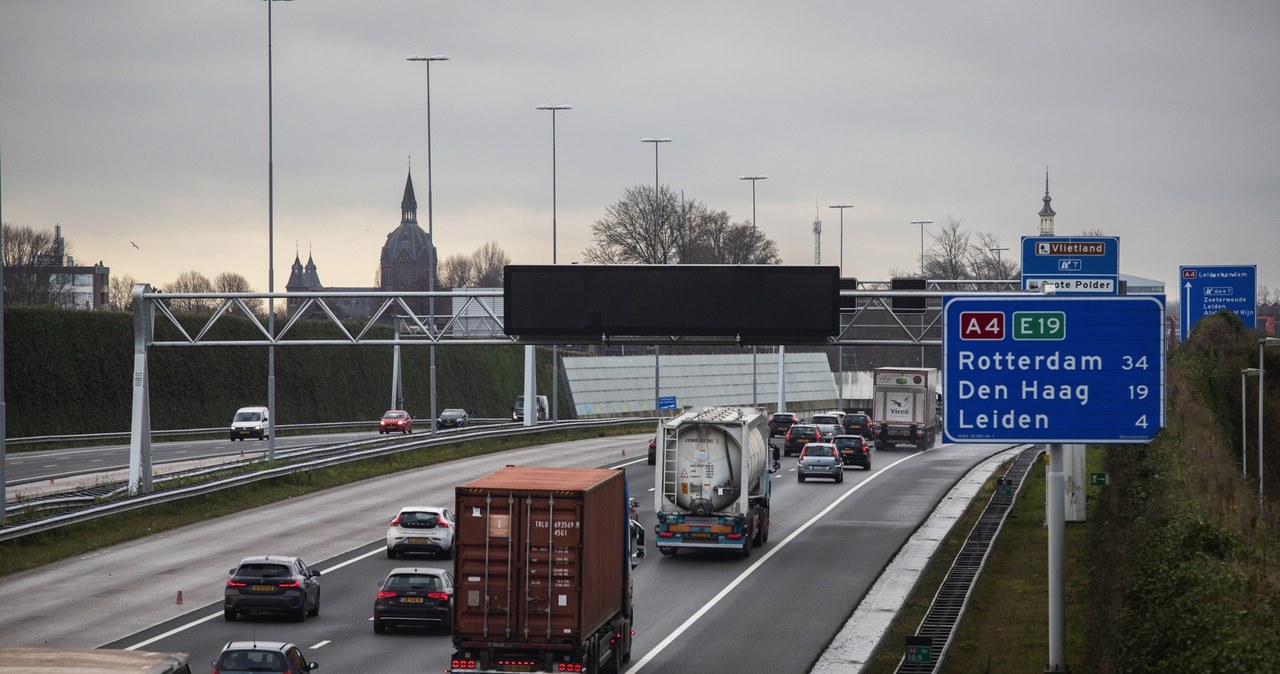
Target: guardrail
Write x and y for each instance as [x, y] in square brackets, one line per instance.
[124, 435]
[10, 532]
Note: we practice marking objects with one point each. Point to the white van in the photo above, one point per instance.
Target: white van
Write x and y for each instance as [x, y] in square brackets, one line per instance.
[517, 412]
[252, 422]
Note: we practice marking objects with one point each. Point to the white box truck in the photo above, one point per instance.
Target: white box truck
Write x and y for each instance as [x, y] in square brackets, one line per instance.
[905, 406]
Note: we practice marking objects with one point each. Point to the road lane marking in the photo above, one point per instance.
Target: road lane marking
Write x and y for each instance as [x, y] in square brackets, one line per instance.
[320, 645]
[211, 616]
[693, 619]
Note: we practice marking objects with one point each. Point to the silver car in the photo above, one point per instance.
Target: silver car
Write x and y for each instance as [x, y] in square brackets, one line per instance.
[820, 459]
[421, 529]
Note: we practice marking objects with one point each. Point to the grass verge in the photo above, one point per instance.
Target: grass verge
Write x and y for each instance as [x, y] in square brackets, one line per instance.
[1005, 626]
[36, 550]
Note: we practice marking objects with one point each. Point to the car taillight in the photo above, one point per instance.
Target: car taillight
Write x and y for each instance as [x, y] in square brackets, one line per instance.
[462, 664]
[235, 583]
[396, 522]
[442, 596]
[385, 594]
[288, 583]
[442, 524]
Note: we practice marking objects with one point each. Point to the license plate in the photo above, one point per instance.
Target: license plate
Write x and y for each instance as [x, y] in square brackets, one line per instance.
[264, 588]
[411, 600]
[419, 540]
[517, 668]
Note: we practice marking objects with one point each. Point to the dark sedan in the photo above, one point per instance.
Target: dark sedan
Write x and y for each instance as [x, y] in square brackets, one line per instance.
[780, 422]
[272, 584]
[854, 450]
[798, 436]
[857, 424]
[414, 596]
[453, 417]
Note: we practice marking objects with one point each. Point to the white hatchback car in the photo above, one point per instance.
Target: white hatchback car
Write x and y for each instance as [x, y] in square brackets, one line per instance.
[423, 529]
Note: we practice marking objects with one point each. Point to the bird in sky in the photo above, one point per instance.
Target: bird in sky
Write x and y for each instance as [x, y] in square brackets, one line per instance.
[134, 245]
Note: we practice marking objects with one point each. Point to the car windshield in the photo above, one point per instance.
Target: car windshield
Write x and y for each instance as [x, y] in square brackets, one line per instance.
[782, 417]
[452, 413]
[825, 420]
[817, 450]
[419, 520]
[858, 418]
[417, 581]
[261, 570]
[252, 661]
[395, 415]
[849, 442]
[248, 416]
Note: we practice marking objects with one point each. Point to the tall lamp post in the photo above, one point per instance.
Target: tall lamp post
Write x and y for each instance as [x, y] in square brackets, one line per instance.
[840, 348]
[1263, 343]
[1245, 373]
[555, 378]
[922, 223]
[755, 399]
[657, 350]
[271, 252]
[999, 261]
[431, 237]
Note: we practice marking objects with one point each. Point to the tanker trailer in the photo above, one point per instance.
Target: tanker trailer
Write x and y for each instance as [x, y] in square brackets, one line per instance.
[712, 489]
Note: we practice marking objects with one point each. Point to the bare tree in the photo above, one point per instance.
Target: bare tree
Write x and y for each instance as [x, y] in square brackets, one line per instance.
[686, 232]
[456, 272]
[991, 260]
[120, 293]
[190, 282]
[231, 282]
[951, 255]
[487, 265]
[31, 261]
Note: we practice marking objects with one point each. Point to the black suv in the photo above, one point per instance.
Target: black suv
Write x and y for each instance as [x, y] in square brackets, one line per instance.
[853, 451]
[780, 422]
[857, 424]
[798, 436]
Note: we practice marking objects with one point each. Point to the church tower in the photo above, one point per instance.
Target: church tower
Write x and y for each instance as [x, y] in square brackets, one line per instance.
[409, 255]
[1046, 213]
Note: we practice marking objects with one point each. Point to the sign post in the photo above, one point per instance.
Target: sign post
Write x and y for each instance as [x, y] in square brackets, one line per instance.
[1080, 265]
[1053, 370]
[1208, 289]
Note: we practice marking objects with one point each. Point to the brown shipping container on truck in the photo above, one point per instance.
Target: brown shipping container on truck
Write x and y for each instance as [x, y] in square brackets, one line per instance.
[560, 530]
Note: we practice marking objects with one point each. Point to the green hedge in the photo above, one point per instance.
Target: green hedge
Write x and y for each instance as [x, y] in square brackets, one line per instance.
[72, 372]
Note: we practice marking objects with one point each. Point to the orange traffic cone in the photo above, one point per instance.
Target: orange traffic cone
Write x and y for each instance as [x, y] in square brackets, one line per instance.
[179, 601]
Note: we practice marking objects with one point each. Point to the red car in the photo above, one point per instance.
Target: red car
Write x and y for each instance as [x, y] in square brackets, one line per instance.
[395, 421]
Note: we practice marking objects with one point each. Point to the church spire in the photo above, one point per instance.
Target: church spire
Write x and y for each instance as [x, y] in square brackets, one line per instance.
[409, 205]
[1046, 213]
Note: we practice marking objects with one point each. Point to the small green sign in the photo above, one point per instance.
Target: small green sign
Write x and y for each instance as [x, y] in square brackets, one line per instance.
[1044, 325]
[1098, 479]
[919, 649]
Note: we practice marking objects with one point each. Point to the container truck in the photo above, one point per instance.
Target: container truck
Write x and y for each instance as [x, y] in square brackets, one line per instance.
[711, 488]
[904, 406]
[542, 571]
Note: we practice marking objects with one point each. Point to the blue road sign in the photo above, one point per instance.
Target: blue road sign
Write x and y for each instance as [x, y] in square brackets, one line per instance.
[1076, 265]
[666, 402]
[1053, 369]
[1208, 289]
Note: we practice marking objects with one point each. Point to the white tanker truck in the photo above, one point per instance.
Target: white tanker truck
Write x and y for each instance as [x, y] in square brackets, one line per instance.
[712, 491]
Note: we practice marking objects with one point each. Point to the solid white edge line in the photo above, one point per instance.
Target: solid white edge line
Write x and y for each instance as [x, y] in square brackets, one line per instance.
[211, 616]
[751, 569]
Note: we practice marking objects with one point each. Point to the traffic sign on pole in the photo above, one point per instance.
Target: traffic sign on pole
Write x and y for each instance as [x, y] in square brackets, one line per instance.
[1075, 265]
[1208, 289]
[1050, 369]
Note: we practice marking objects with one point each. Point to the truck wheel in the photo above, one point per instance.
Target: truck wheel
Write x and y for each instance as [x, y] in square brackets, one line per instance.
[745, 552]
[667, 551]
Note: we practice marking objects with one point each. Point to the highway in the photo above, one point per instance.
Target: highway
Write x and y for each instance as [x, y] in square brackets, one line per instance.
[774, 611]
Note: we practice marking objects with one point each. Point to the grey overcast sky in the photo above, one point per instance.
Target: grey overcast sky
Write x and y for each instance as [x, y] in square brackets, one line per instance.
[145, 121]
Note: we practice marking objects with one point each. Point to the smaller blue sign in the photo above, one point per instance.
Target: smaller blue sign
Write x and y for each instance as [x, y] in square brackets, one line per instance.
[1208, 289]
[666, 402]
[1074, 265]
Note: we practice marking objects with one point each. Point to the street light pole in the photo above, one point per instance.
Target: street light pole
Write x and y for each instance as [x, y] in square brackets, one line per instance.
[657, 350]
[840, 348]
[922, 223]
[431, 237]
[1245, 373]
[271, 253]
[555, 375]
[755, 398]
[999, 261]
[1263, 343]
